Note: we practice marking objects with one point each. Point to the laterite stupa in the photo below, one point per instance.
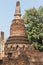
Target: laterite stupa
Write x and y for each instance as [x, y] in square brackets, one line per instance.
[17, 37]
[18, 50]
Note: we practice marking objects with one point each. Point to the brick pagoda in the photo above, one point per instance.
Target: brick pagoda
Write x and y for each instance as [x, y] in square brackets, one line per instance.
[17, 37]
[18, 50]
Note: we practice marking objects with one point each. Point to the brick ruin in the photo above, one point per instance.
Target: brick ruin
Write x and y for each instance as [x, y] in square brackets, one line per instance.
[1, 45]
[18, 50]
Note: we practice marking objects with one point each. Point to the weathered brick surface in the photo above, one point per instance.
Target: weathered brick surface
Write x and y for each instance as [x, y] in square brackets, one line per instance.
[18, 50]
[1, 45]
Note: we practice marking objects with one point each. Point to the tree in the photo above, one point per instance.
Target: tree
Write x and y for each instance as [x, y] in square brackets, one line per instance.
[34, 26]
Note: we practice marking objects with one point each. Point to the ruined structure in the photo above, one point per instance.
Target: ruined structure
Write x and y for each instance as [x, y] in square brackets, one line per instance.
[17, 37]
[18, 50]
[1, 45]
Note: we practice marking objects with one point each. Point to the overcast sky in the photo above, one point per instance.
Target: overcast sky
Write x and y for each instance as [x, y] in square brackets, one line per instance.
[7, 9]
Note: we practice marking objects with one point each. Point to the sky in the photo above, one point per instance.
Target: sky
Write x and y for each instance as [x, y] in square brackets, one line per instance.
[7, 10]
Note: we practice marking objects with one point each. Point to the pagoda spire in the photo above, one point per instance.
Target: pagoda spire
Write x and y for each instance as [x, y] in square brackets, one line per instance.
[17, 11]
[17, 27]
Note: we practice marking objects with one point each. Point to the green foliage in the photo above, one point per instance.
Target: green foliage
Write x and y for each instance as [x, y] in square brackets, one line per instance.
[34, 26]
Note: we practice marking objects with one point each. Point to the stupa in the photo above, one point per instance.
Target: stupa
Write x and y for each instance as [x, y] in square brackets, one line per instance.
[18, 50]
[17, 40]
